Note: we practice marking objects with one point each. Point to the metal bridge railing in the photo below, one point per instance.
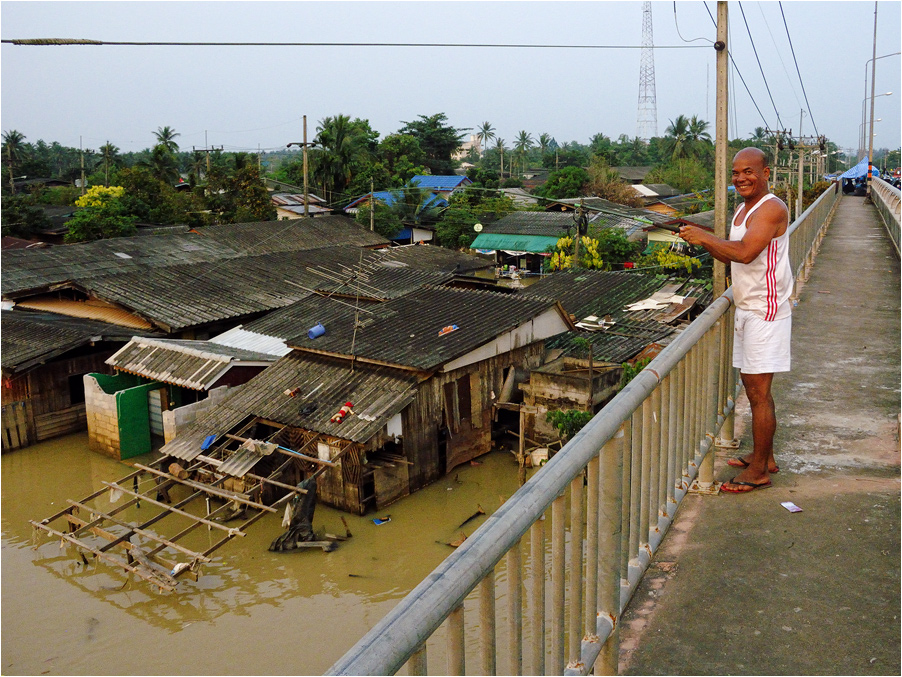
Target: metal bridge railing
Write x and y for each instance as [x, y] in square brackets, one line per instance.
[886, 199]
[590, 519]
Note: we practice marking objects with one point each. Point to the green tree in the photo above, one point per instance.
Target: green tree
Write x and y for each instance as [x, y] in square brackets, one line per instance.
[162, 164]
[102, 216]
[240, 197]
[109, 155]
[166, 137]
[438, 140]
[485, 133]
[13, 154]
[522, 145]
[564, 183]
[606, 183]
[21, 218]
[343, 148]
[684, 174]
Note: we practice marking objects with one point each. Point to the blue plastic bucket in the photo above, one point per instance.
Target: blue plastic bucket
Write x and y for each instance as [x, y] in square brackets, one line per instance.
[317, 330]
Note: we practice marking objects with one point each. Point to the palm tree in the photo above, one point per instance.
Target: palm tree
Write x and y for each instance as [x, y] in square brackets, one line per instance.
[697, 135]
[500, 145]
[676, 136]
[166, 138]
[523, 144]
[14, 149]
[162, 164]
[485, 134]
[110, 154]
[544, 142]
[340, 145]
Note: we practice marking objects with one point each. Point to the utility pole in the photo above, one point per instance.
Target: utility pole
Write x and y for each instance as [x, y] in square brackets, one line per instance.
[304, 145]
[871, 126]
[206, 150]
[372, 206]
[721, 143]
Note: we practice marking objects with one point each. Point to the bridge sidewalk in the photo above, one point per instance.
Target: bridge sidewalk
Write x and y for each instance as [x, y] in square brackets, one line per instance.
[742, 586]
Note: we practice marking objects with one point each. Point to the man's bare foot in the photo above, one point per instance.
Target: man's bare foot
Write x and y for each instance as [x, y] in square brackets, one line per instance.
[737, 486]
[745, 462]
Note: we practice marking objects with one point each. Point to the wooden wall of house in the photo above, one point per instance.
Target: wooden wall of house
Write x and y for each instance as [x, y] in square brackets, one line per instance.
[461, 402]
[51, 397]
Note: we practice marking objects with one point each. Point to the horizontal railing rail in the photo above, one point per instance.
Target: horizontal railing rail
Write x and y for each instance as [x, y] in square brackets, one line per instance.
[592, 518]
[887, 199]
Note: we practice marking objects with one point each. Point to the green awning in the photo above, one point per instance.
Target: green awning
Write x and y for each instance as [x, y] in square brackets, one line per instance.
[536, 244]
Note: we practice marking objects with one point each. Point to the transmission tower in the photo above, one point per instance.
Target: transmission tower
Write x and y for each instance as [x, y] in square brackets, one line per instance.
[647, 124]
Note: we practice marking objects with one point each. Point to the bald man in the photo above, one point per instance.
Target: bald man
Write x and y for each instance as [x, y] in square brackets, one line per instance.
[758, 251]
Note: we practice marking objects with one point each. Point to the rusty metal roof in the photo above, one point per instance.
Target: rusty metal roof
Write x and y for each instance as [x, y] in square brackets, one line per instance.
[190, 364]
[325, 384]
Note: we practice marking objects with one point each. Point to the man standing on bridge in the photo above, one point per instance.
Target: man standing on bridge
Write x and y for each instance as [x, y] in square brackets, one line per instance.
[758, 249]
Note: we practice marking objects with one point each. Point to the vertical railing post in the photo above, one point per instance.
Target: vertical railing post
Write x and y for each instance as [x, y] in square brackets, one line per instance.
[626, 457]
[487, 623]
[610, 573]
[635, 485]
[558, 569]
[646, 473]
[592, 499]
[416, 664]
[708, 407]
[574, 629]
[537, 590]
[654, 471]
[456, 657]
[514, 611]
[664, 446]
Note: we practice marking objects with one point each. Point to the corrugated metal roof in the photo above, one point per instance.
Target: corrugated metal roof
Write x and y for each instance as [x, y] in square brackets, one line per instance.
[546, 224]
[376, 393]
[535, 244]
[239, 337]
[34, 269]
[29, 338]
[439, 182]
[406, 331]
[190, 364]
[619, 344]
[86, 311]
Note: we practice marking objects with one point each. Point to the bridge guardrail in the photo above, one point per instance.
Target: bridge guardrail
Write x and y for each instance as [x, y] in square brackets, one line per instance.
[623, 477]
[887, 199]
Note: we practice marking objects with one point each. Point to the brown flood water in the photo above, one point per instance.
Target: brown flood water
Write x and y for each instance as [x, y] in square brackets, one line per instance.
[250, 612]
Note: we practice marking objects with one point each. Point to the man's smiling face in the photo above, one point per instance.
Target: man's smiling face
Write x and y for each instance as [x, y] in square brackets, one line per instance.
[750, 174]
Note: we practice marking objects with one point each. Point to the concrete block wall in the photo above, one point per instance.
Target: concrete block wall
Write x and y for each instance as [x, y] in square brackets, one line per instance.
[176, 420]
[102, 417]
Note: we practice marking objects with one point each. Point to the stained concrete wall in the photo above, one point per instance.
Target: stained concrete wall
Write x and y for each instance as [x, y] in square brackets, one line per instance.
[176, 420]
[103, 418]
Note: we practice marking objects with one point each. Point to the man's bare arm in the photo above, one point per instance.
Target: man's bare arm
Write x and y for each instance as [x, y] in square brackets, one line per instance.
[767, 223]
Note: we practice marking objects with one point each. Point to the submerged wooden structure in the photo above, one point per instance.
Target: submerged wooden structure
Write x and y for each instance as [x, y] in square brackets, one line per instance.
[180, 500]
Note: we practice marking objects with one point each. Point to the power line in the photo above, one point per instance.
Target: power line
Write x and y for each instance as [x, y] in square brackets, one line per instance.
[797, 69]
[760, 67]
[45, 42]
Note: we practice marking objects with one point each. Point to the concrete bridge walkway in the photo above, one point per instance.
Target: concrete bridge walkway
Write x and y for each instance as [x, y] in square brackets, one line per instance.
[740, 585]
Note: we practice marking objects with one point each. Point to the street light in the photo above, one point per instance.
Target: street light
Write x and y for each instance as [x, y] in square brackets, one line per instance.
[861, 141]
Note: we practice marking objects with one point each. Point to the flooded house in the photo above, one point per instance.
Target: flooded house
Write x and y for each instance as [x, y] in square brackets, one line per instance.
[394, 394]
[158, 386]
[44, 359]
[617, 317]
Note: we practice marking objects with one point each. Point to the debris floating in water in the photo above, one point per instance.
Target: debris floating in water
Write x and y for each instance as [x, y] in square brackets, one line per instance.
[381, 520]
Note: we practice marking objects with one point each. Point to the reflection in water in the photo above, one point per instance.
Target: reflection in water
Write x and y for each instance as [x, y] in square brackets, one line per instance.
[250, 612]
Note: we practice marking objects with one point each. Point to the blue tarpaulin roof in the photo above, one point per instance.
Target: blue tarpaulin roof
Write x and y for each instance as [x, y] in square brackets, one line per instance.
[859, 170]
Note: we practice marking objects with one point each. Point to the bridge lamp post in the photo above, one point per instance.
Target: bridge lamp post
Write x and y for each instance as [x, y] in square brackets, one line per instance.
[862, 147]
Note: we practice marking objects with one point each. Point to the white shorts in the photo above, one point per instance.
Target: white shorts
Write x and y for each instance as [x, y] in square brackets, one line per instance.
[760, 347]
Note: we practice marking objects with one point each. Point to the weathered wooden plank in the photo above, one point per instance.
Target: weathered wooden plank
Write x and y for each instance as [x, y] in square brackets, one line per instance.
[206, 488]
[170, 508]
[149, 577]
[76, 521]
[290, 452]
[141, 532]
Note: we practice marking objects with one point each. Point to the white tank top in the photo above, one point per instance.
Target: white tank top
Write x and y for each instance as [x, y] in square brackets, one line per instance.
[764, 285]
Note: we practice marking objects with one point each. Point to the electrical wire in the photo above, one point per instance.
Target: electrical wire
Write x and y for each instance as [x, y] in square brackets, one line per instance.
[810, 115]
[760, 67]
[44, 42]
[779, 55]
[739, 73]
[677, 26]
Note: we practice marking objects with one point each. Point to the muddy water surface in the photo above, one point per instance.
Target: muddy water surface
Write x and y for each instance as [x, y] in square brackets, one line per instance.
[250, 612]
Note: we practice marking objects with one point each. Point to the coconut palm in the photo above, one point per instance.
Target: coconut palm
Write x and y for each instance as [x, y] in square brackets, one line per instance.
[166, 138]
[522, 145]
[485, 134]
[14, 150]
[544, 142]
[676, 138]
[339, 146]
[499, 143]
[162, 164]
[109, 154]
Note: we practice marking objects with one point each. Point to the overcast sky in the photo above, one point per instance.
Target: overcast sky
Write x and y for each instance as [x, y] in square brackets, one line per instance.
[244, 98]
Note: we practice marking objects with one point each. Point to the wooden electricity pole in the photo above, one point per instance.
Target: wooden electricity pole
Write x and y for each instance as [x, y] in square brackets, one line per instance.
[721, 144]
[304, 145]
